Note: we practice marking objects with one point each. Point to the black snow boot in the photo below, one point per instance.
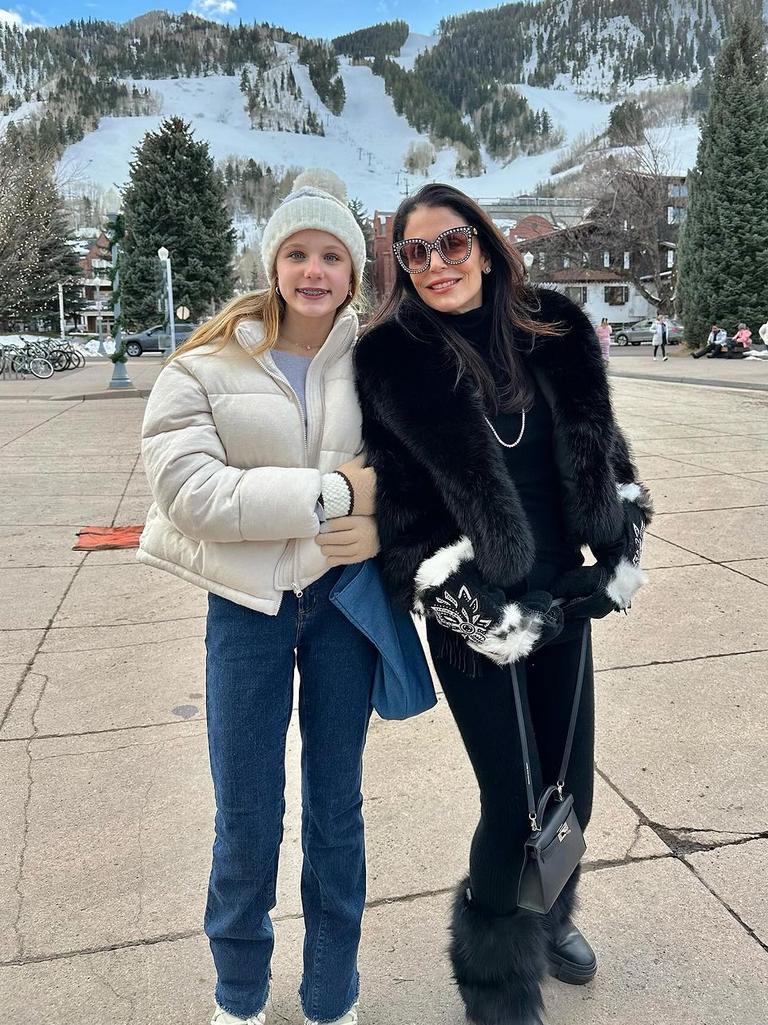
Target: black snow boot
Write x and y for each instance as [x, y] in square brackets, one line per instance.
[571, 959]
[498, 962]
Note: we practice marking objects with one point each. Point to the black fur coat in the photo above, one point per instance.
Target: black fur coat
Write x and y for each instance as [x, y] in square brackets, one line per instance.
[441, 474]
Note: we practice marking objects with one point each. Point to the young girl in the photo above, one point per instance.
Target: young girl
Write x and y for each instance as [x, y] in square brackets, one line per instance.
[487, 418]
[243, 433]
[604, 334]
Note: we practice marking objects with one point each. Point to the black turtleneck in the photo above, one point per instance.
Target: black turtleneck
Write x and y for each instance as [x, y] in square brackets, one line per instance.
[531, 464]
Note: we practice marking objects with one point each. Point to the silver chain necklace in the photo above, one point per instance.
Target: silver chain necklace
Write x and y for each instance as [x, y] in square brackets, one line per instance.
[507, 444]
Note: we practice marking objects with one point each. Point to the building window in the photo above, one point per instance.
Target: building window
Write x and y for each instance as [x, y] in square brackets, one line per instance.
[626, 261]
[674, 214]
[578, 293]
[542, 261]
[670, 258]
[566, 262]
[616, 295]
[678, 191]
[606, 258]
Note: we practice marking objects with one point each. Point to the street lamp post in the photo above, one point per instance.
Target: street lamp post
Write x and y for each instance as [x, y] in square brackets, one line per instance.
[120, 378]
[62, 318]
[165, 258]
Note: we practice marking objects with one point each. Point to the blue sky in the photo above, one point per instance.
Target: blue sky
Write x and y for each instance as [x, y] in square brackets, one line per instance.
[325, 18]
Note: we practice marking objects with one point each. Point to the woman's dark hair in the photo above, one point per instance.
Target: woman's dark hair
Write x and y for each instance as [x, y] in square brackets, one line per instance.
[514, 303]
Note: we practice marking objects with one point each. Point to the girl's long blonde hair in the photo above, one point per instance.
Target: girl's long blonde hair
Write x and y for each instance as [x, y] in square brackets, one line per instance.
[267, 306]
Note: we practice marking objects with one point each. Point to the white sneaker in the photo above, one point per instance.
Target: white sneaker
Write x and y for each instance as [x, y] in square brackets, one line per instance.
[654, 359]
[350, 1018]
[222, 1017]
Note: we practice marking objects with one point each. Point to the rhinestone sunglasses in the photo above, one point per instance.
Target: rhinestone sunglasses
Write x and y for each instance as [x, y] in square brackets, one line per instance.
[454, 246]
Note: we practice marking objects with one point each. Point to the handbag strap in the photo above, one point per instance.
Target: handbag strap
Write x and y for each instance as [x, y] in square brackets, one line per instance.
[535, 826]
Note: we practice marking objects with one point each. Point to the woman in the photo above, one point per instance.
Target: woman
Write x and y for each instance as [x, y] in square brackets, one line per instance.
[604, 335]
[488, 421]
[743, 336]
[660, 330]
[244, 432]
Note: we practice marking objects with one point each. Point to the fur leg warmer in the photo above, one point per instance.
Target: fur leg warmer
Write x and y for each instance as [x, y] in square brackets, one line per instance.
[498, 962]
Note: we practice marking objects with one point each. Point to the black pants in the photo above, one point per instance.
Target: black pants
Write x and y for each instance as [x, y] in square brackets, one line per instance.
[662, 346]
[484, 711]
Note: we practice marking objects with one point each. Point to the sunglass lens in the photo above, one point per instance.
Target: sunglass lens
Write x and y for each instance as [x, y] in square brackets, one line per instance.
[414, 255]
[455, 245]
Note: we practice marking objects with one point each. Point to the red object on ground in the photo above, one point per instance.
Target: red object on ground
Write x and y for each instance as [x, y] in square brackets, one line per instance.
[96, 539]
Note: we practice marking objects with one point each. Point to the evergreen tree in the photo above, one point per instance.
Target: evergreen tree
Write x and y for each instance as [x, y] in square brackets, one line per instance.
[175, 198]
[722, 268]
[35, 256]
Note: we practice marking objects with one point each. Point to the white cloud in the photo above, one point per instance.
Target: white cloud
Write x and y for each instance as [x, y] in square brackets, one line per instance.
[11, 18]
[213, 8]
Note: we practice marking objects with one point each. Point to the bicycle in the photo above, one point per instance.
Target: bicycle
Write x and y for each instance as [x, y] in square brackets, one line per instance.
[27, 359]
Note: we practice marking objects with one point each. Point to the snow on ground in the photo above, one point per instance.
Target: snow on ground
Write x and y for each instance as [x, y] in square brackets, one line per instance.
[24, 110]
[412, 47]
[366, 145]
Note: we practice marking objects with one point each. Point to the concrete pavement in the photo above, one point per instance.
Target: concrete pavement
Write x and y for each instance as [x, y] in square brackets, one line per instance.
[104, 778]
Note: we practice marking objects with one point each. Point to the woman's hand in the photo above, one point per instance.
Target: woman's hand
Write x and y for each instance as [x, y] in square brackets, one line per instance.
[349, 539]
[363, 481]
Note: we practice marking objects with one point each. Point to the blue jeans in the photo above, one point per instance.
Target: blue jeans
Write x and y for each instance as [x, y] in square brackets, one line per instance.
[249, 672]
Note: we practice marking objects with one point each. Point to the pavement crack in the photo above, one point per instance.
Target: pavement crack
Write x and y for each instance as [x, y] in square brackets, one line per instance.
[682, 661]
[681, 839]
[107, 730]
[18, 887]
[140, 838]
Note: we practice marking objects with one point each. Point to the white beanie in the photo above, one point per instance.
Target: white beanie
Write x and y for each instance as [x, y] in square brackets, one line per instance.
[318, 200]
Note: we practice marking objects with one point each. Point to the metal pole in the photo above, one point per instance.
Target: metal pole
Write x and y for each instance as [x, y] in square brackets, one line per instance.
[120, 378]
[62, 321]
[171, 311]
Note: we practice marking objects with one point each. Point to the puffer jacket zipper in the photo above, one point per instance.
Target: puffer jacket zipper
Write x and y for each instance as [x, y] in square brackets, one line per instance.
[290, 553]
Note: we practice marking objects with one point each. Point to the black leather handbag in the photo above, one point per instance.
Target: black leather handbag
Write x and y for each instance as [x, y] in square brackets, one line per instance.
[556, 844]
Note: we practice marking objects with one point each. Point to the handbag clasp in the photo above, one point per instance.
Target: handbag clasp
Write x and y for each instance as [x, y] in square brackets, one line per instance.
[534, 822]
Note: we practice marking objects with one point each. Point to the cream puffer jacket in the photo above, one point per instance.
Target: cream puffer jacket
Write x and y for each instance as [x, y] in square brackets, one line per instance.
[235, 477]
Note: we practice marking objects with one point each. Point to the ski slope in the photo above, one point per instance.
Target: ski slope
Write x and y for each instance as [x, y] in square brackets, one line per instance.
[366, 145]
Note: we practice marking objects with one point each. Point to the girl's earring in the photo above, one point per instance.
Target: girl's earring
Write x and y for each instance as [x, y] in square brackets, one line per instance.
[487, 270]
[277, 290]
[349, 294]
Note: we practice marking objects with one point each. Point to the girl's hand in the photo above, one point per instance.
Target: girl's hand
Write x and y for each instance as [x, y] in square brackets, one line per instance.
[363, 481]
[349, 539]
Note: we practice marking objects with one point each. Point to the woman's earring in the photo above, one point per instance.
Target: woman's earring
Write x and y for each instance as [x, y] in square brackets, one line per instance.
[349, 294]
[277, 290]
[487, 270]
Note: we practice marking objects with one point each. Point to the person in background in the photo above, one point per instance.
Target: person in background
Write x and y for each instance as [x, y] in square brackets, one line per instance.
[660, 332]
[716, 339]
[743, 336]
[250, 443]
[604, 334]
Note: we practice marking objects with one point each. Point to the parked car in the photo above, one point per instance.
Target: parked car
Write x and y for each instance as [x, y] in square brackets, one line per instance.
[155, 339]
[642, 333]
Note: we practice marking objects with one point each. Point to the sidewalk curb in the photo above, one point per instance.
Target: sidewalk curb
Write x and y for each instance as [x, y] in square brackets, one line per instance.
[712, 383]
[125, 393]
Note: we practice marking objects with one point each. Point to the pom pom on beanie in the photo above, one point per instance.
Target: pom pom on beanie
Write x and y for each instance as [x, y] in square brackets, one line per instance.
[318, 200]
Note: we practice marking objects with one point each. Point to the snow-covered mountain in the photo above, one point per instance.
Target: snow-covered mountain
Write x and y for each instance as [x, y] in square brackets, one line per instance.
[390, 116]
[366, 144]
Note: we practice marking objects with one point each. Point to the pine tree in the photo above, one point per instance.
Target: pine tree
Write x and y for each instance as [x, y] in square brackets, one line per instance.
[722, 267]
[35, 256]
[175, 198]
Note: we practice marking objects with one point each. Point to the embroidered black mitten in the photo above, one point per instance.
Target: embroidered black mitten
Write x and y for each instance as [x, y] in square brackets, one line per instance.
[621, 558]
[450, 589]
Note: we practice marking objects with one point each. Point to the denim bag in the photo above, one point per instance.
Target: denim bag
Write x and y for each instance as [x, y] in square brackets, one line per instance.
[403, 684]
